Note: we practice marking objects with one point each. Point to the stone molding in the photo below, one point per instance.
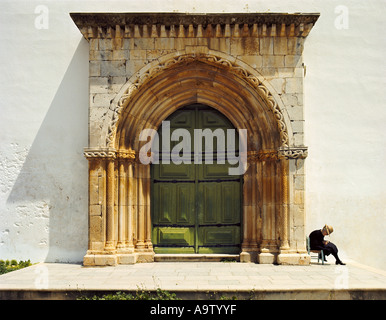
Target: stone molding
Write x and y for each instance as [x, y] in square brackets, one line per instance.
[129, 155]
[293, 153]
[221, 62]
[280, 154]
[110, 153]
[105, 153]
[186, 25]
[262, 155]
[252, 156]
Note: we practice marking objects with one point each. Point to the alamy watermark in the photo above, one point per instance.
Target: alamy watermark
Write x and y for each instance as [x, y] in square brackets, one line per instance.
[341, 21]
[342, 278]
[227, 149]
[42, 18]
[42, 278]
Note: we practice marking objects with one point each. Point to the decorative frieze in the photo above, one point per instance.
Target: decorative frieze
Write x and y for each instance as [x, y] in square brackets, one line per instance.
[127, 155]
[280, 154]
[106, 153]
[185, 25]
[110, 153]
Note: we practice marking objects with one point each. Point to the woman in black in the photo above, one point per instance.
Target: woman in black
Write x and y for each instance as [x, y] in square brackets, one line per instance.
[317, 242]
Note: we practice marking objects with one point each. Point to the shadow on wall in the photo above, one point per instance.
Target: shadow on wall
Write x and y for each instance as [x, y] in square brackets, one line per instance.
[51, 189]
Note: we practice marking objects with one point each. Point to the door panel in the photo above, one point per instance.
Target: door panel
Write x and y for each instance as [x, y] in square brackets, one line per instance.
[174, 240]
[219, 240]
[173, 171]
[219, 217]
[196, 208]
[185, 203]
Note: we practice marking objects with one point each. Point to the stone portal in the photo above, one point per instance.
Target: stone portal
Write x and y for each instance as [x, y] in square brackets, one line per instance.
[144, 67]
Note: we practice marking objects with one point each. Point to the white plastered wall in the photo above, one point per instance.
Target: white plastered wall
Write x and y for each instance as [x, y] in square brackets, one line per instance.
[44, 114]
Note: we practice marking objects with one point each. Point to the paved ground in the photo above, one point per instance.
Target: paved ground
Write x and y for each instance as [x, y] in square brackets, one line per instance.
[193, 280]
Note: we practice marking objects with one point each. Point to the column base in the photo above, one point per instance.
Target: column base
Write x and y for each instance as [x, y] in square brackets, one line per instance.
[143, 257]
[91, 260]
[248, 256]
[293, 258]
[100, 259]
[266, 258]
[127, 258]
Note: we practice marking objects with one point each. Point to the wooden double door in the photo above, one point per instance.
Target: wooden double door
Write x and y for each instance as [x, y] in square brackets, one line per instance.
[196, 204]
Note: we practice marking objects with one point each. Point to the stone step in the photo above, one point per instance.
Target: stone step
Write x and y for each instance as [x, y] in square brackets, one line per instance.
[196, 257]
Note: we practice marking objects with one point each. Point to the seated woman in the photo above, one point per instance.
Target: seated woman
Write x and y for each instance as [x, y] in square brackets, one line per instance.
[317, 242]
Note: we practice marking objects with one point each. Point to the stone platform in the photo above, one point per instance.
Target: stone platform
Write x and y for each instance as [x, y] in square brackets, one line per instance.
[198, 280]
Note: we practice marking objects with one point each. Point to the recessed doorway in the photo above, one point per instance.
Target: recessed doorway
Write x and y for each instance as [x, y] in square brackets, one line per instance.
[196, 205]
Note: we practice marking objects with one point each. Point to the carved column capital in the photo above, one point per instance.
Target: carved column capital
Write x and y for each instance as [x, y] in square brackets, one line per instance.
[293, 153]
[104, 153]
[127, 155]
[262, 155]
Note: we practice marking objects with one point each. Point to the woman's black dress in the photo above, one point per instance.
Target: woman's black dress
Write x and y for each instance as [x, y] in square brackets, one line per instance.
[316, 243]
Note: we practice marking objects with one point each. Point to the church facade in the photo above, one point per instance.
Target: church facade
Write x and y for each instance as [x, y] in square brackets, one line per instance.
[91, 89]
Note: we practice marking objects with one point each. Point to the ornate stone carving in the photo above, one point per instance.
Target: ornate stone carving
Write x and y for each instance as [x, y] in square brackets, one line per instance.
[282, 153]
[206, 58]
[127, 155]
[293, 153]
[262, 155]
[106, 153]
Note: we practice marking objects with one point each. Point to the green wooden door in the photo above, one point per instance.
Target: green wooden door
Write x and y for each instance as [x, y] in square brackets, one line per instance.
[196, 207]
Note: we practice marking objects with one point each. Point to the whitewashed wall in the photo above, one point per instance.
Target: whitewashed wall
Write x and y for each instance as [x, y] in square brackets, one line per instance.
[43, 122]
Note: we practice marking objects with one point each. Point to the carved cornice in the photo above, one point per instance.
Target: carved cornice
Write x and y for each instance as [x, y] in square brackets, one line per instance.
[174, 25]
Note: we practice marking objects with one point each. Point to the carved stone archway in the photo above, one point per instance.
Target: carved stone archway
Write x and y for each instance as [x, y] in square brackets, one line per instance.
[193, 70]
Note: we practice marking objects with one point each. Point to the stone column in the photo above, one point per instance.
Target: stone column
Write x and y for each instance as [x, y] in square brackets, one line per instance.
[246, 207]
[144, 246]
[110, 188]
[268, 247]
[284, 245]
[147, 201]
[140, 245]
[249, 247]
[131, 206]
[125, 245]
[121, 205]
[288, 251]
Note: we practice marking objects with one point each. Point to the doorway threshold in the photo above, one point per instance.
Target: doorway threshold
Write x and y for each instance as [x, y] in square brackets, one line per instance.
[162, 257]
